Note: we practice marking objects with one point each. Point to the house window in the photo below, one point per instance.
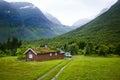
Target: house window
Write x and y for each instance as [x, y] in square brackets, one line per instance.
[30, 56]
[50, 54]
[55, 54]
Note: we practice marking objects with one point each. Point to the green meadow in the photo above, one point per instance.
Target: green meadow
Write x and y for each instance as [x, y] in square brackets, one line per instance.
[79, 68]
[13, 69]
[91, 68]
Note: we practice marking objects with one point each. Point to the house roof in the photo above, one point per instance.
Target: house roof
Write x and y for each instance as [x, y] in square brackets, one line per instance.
[40, 50]
[31, 50]
[43, 50]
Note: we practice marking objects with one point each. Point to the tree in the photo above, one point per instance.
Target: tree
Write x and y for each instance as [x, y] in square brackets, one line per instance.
[103, 50]
[111, 49]
[81, 45]
[2, 54]
[15, 43]
[73, 49]
[66, 47]
[117, 49]
[11, 46]
[89, 49]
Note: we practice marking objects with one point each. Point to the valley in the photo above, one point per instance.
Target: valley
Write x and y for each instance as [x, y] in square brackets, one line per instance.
[34, 44]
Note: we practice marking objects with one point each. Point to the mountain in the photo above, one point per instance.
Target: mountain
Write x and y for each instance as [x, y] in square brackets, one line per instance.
[81, 22]
[25, 21]
[52, 18]
[103, 29]
[8, 15]
[103, 11]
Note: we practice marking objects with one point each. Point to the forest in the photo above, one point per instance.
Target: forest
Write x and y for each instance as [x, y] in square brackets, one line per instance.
[15, 47]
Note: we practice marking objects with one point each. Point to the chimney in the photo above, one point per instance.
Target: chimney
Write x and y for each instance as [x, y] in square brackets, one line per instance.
[46, 46]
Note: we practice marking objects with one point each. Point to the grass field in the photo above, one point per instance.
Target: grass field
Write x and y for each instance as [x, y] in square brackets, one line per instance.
[56, 70]
[80, 68]
[12, 69]
[91, 68]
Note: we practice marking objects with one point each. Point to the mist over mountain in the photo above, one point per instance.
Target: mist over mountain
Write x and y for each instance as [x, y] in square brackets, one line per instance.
[80, 23]
[52, 18]
[103, 11]
[25, 21]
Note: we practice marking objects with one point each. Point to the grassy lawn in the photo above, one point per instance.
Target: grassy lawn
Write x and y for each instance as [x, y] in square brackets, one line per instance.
[12, 69]
[92, 68]
[56, 70]
[80, 68]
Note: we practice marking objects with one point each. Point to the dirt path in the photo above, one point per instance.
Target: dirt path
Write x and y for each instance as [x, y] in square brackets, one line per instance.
[54, 78]
[40, 78]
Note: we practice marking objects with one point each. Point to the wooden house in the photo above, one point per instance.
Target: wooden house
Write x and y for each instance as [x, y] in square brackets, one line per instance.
[41, 54]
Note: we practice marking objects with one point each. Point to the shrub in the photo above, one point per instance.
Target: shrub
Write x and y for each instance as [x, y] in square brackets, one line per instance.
[73, 49]
[111, 49]
[21, 57]
[103, 50]
[81, 45]
[20, 51]
[80, 51]
[2, 54]
[89, 49]
[117, 49]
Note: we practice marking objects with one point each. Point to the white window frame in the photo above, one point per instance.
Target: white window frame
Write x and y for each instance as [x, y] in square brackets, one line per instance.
[56, 54]
[50, 54]
[30, 56]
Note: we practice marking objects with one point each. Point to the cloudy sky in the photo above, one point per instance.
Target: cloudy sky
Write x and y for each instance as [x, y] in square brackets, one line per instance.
[69, 11]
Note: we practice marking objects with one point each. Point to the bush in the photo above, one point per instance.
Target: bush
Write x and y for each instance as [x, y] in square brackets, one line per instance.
[8, 52]
[117, 49]
[81, 45]
[103, 50]
[20, 51]
[111, 49]
[73, 49]
[21, 57]
[2, 54]
[89, 49]
[80, 51]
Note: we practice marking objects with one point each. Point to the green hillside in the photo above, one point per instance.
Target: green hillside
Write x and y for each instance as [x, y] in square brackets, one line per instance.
[103, 29]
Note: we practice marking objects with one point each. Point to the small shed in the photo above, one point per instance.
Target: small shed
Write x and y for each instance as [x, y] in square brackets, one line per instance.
[41, 54]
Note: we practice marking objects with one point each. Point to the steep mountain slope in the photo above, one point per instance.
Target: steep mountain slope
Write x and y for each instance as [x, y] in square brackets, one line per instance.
[103, 29]
[82, 22]
[25, 21]
[9, 19]
[102, 11]
[8, 15]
